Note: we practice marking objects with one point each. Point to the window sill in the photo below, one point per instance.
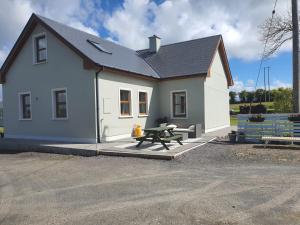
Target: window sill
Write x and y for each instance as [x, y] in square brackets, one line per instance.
[125, 117]
[40, 63]
[141, 116]
[179, 118]
[25, 119]
[58, 119]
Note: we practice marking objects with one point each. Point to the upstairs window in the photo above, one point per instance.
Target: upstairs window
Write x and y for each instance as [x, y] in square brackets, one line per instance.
[59, 98]
[25, 106]
[179, 104]
[40, 48]
[125, 103]
[143, 103]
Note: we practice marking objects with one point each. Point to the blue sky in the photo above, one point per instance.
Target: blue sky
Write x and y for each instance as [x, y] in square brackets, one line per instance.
[130, 22]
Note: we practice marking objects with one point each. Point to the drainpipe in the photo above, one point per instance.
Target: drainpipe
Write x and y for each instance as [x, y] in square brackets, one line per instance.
[97, 106]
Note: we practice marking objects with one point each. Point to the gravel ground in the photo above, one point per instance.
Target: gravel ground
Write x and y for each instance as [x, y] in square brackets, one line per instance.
[216, 184]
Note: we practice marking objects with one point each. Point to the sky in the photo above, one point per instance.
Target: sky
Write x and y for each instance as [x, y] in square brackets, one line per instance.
[131, 22]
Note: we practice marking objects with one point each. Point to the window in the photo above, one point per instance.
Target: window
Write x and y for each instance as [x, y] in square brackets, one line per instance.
[25, 106]
[179, 104]
[98, 46]
[40, 48]
[59, 97]
[125, 102]
[143, 103]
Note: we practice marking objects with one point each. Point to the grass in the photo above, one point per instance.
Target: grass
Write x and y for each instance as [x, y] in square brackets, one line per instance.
[233, 120]
[236, 107]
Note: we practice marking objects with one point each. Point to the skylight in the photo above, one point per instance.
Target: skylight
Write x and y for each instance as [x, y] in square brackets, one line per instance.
[98, 46]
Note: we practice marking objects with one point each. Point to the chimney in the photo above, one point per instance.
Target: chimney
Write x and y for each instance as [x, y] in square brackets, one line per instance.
[154, 43]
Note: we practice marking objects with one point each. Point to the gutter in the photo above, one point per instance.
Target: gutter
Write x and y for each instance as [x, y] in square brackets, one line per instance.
[97, 106]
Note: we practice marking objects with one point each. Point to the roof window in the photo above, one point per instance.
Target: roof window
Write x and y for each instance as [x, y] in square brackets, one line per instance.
[98, 46]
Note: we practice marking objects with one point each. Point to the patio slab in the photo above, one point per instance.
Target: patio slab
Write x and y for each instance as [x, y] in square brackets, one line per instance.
[152, 151]
[120, 148]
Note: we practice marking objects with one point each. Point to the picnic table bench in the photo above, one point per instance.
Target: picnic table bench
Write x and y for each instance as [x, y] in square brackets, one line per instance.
[267, 139]
[157, 135]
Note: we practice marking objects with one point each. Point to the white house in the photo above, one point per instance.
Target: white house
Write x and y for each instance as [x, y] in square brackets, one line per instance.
[63, 84]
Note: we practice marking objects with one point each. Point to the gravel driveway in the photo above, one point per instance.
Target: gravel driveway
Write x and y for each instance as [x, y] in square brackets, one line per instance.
[216, 184]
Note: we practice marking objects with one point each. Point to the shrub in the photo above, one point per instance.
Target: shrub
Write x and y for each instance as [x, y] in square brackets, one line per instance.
[255, 109]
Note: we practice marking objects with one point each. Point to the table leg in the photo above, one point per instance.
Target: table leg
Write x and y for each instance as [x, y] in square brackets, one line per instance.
[179, 142]
[139, 144]
[164, 144]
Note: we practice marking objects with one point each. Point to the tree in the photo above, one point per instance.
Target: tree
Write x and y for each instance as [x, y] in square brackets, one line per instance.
[251, 96]
[232, 96]
[283, 100]
[277, 32]
[243, 96]
[259, 93]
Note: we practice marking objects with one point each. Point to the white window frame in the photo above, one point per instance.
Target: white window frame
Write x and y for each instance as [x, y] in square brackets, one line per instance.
[34, 58]
[138, 103]
[119, 102]
[53, 91]
[21, 105]
[186, 104]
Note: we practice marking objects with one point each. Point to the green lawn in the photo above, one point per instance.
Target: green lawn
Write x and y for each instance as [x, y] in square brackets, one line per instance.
[236, 107]
[233, 120]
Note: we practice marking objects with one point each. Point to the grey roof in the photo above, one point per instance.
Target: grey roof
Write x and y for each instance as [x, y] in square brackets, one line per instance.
[173, 60]
[183, 58]
[120, 58]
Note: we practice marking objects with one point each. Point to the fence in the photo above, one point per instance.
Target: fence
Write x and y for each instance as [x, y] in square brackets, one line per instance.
[274, 124]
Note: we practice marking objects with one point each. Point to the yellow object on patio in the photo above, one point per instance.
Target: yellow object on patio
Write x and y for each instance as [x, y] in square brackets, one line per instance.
[138, 131]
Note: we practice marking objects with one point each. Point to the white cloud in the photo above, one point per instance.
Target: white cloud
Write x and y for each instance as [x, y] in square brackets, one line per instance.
[250, 85]
[183, 20]
[15, 13]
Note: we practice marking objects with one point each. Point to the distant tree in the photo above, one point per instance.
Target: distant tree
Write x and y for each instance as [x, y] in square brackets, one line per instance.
[243, 95]
[232, 95]
[251, 96]
[283, 101]
[259, 93]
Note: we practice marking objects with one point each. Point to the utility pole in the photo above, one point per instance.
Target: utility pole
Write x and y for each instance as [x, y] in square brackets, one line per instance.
[265, 84]
[296, 79]
[269, 84]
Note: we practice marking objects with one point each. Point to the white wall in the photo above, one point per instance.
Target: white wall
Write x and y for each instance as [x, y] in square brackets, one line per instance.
[112, 125]
[195, 99]
[64, 69]
[216, 97]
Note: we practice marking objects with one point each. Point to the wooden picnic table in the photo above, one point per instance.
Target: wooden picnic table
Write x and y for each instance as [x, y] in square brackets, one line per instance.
[157, 135]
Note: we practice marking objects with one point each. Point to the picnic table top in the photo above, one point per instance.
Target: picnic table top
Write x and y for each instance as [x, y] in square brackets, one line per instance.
[158, 129]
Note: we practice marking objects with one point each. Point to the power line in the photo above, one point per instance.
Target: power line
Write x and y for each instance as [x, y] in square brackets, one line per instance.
[264, 50]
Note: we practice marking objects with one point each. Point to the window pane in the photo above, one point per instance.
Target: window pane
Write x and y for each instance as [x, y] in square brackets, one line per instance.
[125, 109]
[124, 95]
[42, 55]
[26, 113]
[26, 99]
[142, 96]
[61, 111]
[61, 96]
[143, 108]
[41, 42]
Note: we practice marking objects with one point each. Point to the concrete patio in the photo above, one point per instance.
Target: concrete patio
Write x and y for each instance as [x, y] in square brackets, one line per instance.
[125, 147]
